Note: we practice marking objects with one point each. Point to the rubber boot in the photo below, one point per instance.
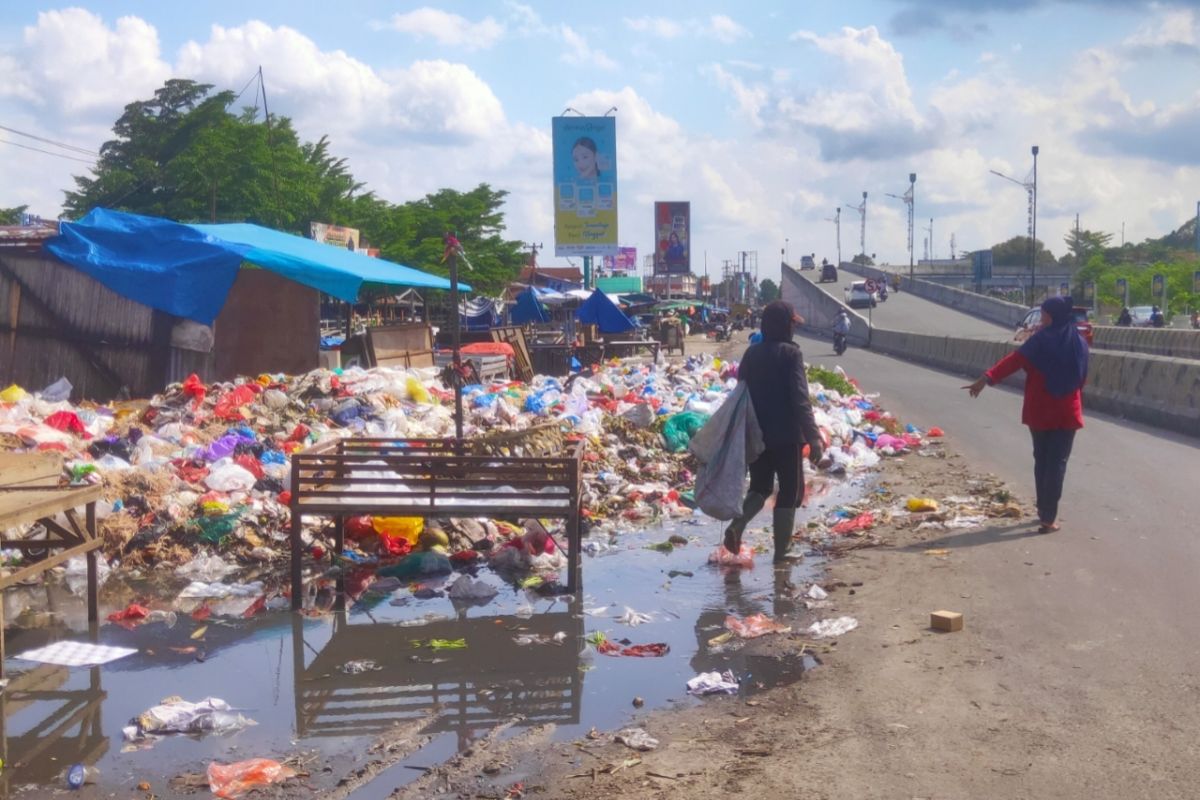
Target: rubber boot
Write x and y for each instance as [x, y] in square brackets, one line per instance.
[783, 524]
[733, 534]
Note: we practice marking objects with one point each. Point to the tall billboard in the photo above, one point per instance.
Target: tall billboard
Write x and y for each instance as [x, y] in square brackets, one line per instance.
[623, 263]
[672, 236]
[335, 235]
[585, 186]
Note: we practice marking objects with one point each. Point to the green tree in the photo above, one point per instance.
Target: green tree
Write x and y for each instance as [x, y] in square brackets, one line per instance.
[1082, 244]
[1016, 251]
[864, 259]
[768, 290]
[12, 216]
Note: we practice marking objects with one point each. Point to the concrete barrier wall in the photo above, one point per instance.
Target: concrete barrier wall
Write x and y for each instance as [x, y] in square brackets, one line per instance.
[992, 309]
[818, 308]
[1159, 391]
[1170, 342]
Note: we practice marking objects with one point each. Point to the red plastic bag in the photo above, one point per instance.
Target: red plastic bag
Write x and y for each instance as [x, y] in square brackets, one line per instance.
[864, 521]
[131, 616]
[194, 387]
[234, 780]
[66, 421]
[229, 407]
[359, 528]
[935, 432]
[654, 650]
[250, 464]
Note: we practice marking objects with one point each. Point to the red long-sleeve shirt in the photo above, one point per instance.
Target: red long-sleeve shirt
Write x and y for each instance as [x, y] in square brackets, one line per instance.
[1041, 410]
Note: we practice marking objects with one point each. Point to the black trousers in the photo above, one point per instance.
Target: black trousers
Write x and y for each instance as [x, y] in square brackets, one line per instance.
[784, 462]
[1051, 449]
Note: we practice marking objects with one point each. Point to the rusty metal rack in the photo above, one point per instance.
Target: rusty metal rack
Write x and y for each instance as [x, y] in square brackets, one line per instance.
[427, 478]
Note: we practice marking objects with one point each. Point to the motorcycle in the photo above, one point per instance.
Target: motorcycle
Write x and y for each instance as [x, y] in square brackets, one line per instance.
[883, 293]
[722, 333]
[839, 343]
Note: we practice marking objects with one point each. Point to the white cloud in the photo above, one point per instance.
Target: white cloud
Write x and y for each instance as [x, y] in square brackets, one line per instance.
[71, 64]
[718, 26]
[1174, 28]
[873, 116]
[448, 29]
[749, 99]
[579, 53]
[662, 27]
[724, 29]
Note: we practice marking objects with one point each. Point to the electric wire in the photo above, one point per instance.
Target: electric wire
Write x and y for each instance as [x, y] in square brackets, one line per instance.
[81, 150]
[48, 152]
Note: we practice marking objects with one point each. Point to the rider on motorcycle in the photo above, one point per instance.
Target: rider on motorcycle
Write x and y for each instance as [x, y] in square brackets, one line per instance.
[841, 327]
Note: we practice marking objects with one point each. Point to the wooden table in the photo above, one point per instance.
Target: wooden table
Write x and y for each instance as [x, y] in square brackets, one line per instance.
[630, 347]
[430, 478]
[29, 493]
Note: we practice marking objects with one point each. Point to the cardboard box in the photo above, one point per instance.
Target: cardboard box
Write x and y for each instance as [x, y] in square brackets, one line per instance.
[948, 621]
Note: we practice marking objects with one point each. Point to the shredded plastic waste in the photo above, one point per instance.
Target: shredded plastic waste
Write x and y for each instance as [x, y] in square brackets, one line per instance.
[754, 626]
[636, 739]
[234, 780]
[829, 628]
[176, 715]
[713, 683]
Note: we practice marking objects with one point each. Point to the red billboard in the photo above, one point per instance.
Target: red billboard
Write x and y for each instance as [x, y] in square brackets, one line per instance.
[672, 235]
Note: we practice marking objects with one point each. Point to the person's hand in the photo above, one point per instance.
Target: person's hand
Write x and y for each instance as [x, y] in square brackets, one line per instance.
[815, 455]
[976, 387]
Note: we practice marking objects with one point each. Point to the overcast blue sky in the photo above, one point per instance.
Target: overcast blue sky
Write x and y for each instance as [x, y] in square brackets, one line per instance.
[765, 115]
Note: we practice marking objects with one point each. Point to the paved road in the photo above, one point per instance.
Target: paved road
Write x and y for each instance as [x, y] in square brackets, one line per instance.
[1103, 612]
[907, 312]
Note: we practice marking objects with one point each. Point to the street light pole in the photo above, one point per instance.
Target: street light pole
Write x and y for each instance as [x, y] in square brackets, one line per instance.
[912, 202]
[1033, 244]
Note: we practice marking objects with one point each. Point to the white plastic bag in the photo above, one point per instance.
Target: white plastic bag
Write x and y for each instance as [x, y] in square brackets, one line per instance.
[725, 446]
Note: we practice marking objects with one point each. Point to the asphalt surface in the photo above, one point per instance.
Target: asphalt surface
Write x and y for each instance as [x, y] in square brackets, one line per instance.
[1102, 611]
[906, 312]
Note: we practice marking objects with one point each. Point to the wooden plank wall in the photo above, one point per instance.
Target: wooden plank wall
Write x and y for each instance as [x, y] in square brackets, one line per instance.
[56, 321]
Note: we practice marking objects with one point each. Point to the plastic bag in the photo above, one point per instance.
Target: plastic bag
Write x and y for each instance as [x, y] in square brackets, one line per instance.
[713, 683]
[742, 558]
[863, 522]
[175, 715]
[422, 563]
[725, 446]
[832, 627]
[230, 405]
[754, 626]
[58, 391]
[407, 528]
[921, 504]
[230, 478]
[234, 780]
[467, 588]
[679, 429]
[13, 394]
[416, 391]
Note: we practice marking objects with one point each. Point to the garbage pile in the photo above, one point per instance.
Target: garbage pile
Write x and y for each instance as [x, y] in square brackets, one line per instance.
[203, 469]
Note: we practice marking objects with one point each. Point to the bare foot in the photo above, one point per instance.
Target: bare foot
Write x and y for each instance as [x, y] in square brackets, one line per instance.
[1048, 527]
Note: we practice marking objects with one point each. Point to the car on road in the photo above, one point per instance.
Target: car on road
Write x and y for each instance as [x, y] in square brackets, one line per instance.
[828, 274]
[857, 295]
[1033, 321]
[1141, 316]
[807, 262]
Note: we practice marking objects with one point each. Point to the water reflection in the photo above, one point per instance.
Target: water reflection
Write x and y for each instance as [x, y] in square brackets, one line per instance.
[470, 690]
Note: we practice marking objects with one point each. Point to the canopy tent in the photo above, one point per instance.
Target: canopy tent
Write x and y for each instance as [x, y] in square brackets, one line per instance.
[528, 309]
[601, 311]
[187, 270]
[480, 313]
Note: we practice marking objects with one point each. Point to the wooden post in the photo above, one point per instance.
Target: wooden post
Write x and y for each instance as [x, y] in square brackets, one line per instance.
[297, 557]
[339, 544]
[93, 578]
[456, 340]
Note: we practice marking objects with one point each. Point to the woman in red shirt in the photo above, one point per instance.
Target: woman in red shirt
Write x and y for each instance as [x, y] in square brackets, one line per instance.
[1055, 360]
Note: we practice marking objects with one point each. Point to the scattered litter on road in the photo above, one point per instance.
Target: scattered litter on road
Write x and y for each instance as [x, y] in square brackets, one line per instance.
[829, 628]
[636, 739]
[713, 683]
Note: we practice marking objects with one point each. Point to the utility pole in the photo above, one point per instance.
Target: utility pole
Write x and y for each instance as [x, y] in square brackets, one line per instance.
[862, 235]
[836, 219]
[1033, 225]
[907, 199]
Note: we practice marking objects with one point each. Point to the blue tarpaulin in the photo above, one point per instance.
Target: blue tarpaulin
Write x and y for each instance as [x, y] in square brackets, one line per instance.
[528, 309]
[187, 270]
[598, 310]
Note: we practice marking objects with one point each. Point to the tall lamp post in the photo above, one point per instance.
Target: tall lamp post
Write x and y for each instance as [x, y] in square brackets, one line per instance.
[1033, 228]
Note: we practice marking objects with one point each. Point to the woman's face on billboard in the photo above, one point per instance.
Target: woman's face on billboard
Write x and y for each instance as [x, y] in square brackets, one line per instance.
[585, 161]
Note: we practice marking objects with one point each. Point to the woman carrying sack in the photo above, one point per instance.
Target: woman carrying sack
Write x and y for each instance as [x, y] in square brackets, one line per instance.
[773, 371]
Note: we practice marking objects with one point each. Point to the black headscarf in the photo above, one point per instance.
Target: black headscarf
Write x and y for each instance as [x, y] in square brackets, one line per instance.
[1057, 350]
[777, 321]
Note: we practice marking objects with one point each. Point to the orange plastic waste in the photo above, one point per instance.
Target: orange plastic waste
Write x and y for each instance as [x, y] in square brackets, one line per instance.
[754, 626]
[722, 557]
[408, 528]
[234, 780]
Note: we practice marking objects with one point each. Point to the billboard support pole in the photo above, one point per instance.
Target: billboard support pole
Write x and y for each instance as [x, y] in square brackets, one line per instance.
[587, 272]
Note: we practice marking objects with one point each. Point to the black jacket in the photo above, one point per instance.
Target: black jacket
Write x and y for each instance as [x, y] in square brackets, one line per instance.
[774, 373]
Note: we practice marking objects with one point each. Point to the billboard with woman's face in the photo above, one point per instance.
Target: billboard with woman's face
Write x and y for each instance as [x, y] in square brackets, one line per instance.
[672, 234]
[585, 186]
